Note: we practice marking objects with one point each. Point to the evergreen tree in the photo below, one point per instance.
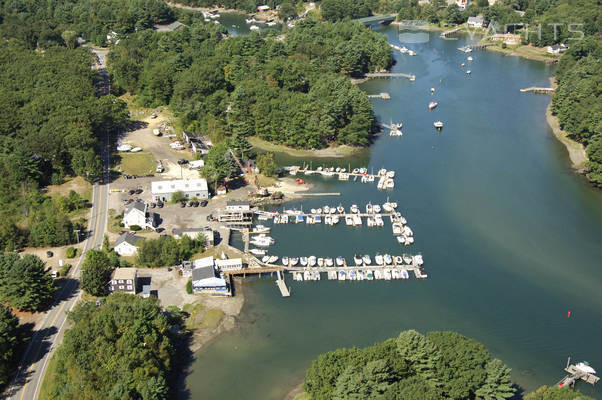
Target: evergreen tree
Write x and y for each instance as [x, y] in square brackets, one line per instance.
[96, 273]
[8, 341]
[498, 385]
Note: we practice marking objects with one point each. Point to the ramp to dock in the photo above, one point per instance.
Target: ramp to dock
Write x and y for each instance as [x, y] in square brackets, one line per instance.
[282, 285]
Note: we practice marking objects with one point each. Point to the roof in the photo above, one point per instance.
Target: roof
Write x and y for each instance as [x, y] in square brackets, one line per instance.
[213, 282]
[146, 289]
[175, 25]
[179, 185]
[124, 273]
[205, 272]
[127, 237]
[238, 203]
[203, 262]
[558, 46]
[135, 205]
[478, 19]
[229, 262]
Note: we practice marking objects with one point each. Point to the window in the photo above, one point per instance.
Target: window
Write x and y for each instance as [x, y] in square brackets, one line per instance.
[129, 281]
[198, 195]
[130, 287]
[187, 195]
[114, 282]
[120, 287]
[121, 281]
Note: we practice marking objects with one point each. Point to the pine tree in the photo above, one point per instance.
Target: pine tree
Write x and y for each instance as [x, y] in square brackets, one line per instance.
[498, 385]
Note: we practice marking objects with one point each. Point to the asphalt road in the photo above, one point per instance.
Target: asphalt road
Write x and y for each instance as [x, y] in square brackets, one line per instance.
[48, 334]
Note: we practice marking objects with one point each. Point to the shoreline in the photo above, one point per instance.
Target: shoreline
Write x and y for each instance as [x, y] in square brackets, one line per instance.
[516, 52]
[576, 151]
[340, 151]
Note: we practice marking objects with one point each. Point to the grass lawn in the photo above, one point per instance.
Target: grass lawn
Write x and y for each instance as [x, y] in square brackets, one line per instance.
[48, 377]
[78, 184]
[142, 163]
[262, 180]
[211, 319]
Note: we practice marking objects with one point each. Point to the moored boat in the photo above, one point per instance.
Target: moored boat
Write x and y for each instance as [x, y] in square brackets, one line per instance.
[432, 105]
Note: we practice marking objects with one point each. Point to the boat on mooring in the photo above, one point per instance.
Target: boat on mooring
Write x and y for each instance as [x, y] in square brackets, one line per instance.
[432, 105]
[438, 125]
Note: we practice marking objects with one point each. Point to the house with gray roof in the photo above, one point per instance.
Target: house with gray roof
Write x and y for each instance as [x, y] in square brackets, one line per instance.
[205, 279]
[127, 244]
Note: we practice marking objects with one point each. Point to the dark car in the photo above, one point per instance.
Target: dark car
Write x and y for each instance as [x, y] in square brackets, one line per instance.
[190, 203]
[195, 203]
[131, 192]
[152, 205]
[138, 191]
[183, 204]
[49, 254]
[204, 203]
[160, 204]
[182, 161]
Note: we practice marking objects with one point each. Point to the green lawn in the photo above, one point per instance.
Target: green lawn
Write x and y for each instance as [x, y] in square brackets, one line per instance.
[211, 319]
[142, 163]
[48, 377]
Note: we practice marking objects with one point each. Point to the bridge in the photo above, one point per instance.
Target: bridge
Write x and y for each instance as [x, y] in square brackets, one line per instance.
[377, 19]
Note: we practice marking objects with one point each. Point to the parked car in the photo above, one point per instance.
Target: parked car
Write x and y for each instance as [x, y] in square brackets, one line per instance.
[182, 161]
[160, 204]
[204, 203]
[190, 203]
[138, 191]
[195, 203]
[183, 204]
[132, 191]
[153, 116]
[49, 254]
[152, 205]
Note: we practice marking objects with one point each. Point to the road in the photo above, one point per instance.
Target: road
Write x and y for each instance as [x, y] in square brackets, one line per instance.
[48, 334]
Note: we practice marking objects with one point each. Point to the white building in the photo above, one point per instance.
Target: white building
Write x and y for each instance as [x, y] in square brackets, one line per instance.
[475, 22]
[557, 48]
[124, 280]
[229, 264]
[205, 278]
[195, 233]
[125, 245]
[135, 214]
[190, 188]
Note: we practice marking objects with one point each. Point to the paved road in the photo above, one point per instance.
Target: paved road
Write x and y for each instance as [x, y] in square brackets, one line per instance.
[48, 334]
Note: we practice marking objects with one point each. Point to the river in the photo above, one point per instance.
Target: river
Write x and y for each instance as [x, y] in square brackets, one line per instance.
[511, 237]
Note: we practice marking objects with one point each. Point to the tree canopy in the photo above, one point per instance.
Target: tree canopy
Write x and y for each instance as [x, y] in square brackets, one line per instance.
[24, 282]
[9, 325]
[123, 349]
[166, 250]
[440, 365]
[96, 273]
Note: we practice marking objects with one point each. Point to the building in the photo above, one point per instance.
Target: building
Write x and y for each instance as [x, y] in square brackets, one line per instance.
[557, 48]
[236, 213]
[196, 164]
[124, 280]
[135, 214]
[206, 280]
[508, 38]
[229, 264]
[195, 233]
[475, 22]
[126, 244]
[263, 8]
[462, 4]
[198, 143]
[190, 188]
[146, 291]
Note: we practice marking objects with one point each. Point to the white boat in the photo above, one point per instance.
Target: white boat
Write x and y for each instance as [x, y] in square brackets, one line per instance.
[354, 209]
[378, 259]
[401, 239]
[382, 172]
[432, 105]
[369, 208]
[395, 274]
[265, 259]
[298, 276]
[319, 211]
[388, 259]
[315, 275]
[432, 90]
[403, 49]
[378, 220]
[293, 261]
[404, 274]
[378, 274]
[411, 53]
[376, 208]
[360, 275]
[328, 262]
[407, 231]
[369, 275]
[332, 275]
[396, 129]
[438, 124]
[409, 240]
[136, 150]
[387, 274]
[258, 252]
[273, 259]
[468, 72]
[357, 260]
[390, 174]
[585, 367]
[357, 220]
[341, 209]
[348, 220]
[342, 275]
[271, 23]
[303, 261]
[320, 262]
[339, 260]
[407, 259]
[124, 147]
[467, 49]
[250, 20]
[313, 210]
[328, 220]
[367, 260]
[370, 221]
[387, 207]
[335, 220]
[285, 261]
[397, 229]
[393, 204]
[260, 242]
[307, 275]
[326, 210]
[333, 210]
[309, 220]
[418, 259]
[469, 58]
[254, 28]
[311, 261]
[390, 184]
[398, 260]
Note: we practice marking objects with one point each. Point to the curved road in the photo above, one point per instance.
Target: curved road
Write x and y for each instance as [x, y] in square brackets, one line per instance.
[48, 333]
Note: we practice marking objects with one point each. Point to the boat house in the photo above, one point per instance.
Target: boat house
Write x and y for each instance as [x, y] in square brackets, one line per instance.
[206, 280]
[236, 213]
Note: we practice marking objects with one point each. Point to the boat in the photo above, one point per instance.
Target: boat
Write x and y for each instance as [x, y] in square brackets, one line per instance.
[438, 124]
[433, 104]
[320, 262]
[403, 49]
[387, 274]
[333, 210]
[404, 274]
[272, 259]
[376, 208]
[250, 20]
[382, 172]
[401, 239]
[395, 274]
[370, 221]
[407, 259]
[367, 260]
[258, 252]
[340, 261]
[319, 211]
[317, 219]
[254, 28]
[393, 204]
[418, 259]
[298, 276]
[387, 207]
[356, 170]
[432, 90]
[390, 184]
[315, 275]
[342, 275]
[369, 275]
[309, 220]
[311, 261]
[326, 210]
[328, 262]
[388, 259]
[341, 209]
[360, 275]
[378, 220]
[467, 49]
[390, 174]
[585, 367]
[378, 274]
[352, 275]
[265, 259]
[313, 210]
[396, 129]
[285, 261]
[335, 220]
[468, 72]
[307, 275]
[397, 229]
[407, 231]
[411, 53]
[348, 220]
[354, 209]
[260, 242]
[409, 240]
[369, 208]
[398, 260]
[357, 220]
[357, 260]
[332, 275]
[462, 65]
[271, 23]
[294, 261]
[328, 220]
[303, 261]
[378, 259]
[469, 58]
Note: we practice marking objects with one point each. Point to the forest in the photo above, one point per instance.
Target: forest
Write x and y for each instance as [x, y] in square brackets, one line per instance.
[436, 366]
[124, 349]
[294, 92]
[578, 100]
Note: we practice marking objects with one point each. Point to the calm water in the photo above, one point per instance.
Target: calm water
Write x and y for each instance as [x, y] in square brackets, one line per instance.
[512, 239]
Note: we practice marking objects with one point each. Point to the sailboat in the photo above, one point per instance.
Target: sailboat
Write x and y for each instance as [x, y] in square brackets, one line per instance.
[432, 105]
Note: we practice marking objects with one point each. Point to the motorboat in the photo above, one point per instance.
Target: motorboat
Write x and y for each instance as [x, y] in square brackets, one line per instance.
[357, 220]
[388, 259]
[294, 261]
[326, 210]
[298, 276]
[378, 220]
[395, 274]
[418, 259]
[348, 220]
[311, 261]
[360, 275]
[409, 240]
[468, 72]
[390, 184]
[352, 275]
[328, 220]
[341, 209]
[333, 210]
[390, 174]
[335, 220]
[370, 221]
[254, 28]
[438, 124]
[303, 261]
[407, 259]
[328, 262]
[315, 275]
[387, 207]
[376, 208]
[382, 172]
[340, 261]
[320, 262]
[404, 274]
[357, 260]
[285, 261]
[379, 259]
[354, 209]
[411, 52]
[378, 274]
[387, 274]
[401, 239]
[432, 90]
[396, 129]
[317, 219]
[407, 231]
[369, 275]
[469, 58]
[318, 211]
[273, 259]
[265, 259]
[307, 275]
[585, 367]
[258, 252]
[369, 208]
[342, 275]
[250, 20]
[433, 104]
[398, 260]
[367, 260]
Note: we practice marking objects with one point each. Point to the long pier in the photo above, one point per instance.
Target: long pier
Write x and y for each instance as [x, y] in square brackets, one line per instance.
[449, 32]
[542, 90]
[341, 175]
[576, 374]
[383, 95]
[282, 286]
[390, 75]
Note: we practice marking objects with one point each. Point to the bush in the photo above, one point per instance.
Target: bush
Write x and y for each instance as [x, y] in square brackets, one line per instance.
[71, 252]
[135, 227]
[65, 270]
[504, 45]
[178, 197]
[189, 286]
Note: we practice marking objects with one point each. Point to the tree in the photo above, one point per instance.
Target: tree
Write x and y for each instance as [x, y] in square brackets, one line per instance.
[266, 164]
[70, 39]
[498, 385]
[8, 342]
[556, 393]
[96, 273]
[24, 282]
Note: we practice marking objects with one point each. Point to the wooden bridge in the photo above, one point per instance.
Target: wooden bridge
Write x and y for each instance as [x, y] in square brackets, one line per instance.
[542, 90]
[390, 75]
[449, 32]
[377, 19]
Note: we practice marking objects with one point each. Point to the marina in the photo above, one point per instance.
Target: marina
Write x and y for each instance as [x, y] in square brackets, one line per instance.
[384, 178]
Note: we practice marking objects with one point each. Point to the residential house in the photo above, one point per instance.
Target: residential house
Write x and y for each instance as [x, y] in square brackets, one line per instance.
[462, 4]
[557, 48]
[229, 264]
[124, 280]
[195, 233]
[475, 22]
[263, 8]
[126, 244]
[190, 188]
[198, 143]
[135, 214]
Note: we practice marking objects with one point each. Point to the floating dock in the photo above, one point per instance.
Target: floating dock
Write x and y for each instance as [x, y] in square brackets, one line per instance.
[282, 286]
[383, 95]
[581, 371]
[542, 90]
[387, 75]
